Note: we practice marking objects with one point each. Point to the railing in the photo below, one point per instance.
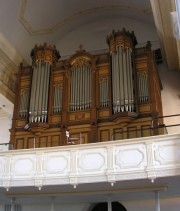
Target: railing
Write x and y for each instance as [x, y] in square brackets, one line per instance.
[6, 146]
[123, 133]
[145, 158]
[151, 129]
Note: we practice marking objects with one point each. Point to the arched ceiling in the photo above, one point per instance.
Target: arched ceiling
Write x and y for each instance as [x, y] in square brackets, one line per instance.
[67, 13]
[67, 24]
[28, 22]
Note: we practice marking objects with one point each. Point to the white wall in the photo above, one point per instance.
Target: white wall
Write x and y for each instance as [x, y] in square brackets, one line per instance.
[93, 35]
[5, 125]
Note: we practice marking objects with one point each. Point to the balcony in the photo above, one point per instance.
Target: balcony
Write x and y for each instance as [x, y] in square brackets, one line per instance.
[143, 165]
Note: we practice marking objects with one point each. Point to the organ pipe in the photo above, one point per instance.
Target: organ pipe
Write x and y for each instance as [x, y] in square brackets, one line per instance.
[121, 45]
[57, 103]
[43, 58]
[143, 87]
[103, 89]
[24, 100]
[80, 96]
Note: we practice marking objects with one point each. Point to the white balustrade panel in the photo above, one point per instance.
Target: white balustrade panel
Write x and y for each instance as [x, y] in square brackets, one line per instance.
[127, 157]
[112, 161]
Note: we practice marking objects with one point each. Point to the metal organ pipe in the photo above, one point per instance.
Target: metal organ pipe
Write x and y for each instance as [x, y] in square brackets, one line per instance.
[43, 57]
[121, 44]
[114, 82]
[143, 86]
[39, 93]
[122, 80]
[103, 90]
[90, 87]
[131, 82]
[57, 103]
[80, 95]
[24, 99]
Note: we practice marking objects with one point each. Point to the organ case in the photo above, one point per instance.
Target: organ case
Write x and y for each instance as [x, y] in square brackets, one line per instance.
[87, 98]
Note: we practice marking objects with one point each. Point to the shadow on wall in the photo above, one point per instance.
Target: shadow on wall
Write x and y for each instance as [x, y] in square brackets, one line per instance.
[170, 96]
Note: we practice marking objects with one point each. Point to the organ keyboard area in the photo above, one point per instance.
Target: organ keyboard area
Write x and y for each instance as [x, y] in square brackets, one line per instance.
[109, 96]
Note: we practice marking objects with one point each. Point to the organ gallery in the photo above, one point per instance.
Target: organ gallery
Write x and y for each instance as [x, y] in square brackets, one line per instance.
[87, 98]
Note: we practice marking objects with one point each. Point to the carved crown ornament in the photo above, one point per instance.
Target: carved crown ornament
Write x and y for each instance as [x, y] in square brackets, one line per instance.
[81, 57]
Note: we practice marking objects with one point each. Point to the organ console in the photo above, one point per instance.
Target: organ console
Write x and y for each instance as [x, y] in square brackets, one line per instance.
[109, 96]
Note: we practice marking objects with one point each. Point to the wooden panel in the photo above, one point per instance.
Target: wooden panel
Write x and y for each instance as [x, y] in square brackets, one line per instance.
[132, 132]
[55, 140]
[31, 142]
[117, 134]
[55, 119]
[21, 123]
[144, 108]
[104, 135]
[145, 131]
[79, 116]
[43, 141]
[19, 143]
[57, 78]
[104, 113]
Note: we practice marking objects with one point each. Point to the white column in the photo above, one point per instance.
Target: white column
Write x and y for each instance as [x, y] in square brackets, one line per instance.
[157, 201]
[109, 204]
[52, 203]
[13, 204]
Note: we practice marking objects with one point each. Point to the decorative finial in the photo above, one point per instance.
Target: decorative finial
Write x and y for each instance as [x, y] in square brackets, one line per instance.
[81, 47]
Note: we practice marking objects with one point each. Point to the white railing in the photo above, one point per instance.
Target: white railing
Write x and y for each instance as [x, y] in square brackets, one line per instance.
[141, 158]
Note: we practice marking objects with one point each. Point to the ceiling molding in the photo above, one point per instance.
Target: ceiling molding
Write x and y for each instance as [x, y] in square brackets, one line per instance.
[28, 26]
[11, 53]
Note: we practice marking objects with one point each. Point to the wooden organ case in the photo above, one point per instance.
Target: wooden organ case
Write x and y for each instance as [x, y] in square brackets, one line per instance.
[87, 98]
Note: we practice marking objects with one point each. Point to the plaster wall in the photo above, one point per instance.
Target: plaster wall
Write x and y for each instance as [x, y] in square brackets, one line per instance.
[5, 125]
[170, 96]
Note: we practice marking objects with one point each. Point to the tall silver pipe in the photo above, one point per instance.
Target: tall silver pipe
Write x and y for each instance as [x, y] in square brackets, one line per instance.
[100, 88]
[71, 89]
[131, 81]
[90, 87]
[113, 81]
[128, 80]
[81, 87]
[126, 99]
[87, 97]
[129, 73]
[32, 105]
[147, 88]
[48, 68]
[121, 79]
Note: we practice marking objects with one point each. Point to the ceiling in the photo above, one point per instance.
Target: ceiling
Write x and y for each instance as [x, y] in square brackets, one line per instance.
[24, 23]
[67, 24]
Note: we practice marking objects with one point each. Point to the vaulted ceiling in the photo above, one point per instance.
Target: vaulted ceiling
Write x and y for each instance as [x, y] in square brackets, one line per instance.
[67, 24]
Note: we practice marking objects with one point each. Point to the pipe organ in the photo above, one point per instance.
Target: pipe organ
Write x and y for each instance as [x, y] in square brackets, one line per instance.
[87, 98]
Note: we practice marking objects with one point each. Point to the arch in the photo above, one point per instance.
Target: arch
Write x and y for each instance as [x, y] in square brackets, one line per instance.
[116, 206]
